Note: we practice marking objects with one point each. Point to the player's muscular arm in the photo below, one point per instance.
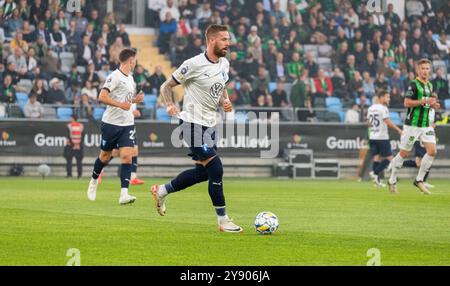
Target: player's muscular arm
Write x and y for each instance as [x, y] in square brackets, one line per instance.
[166, 94]
[391, 124]
[409, 103]
[106, 99]
[225, 102]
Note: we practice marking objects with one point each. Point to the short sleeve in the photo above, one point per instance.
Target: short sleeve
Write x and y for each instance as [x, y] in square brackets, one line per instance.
[385, 113]
[184, 72]
[110, 83]
[412, 91]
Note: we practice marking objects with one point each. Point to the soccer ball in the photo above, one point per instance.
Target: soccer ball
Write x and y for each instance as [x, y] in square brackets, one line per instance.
[266, 223]
[44, 170]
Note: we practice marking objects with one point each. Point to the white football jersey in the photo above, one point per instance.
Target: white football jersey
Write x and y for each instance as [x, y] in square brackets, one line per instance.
[376, 115]
[121, 88]
[204, 82]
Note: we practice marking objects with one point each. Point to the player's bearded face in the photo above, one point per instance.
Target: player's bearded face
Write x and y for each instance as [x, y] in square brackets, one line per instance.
[221, 44]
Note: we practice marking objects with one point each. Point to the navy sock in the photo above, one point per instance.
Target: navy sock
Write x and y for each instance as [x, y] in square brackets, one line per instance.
[187, 178]
[410, 164]
[375, 165]
[98, 167]
[381, 166]
[134, 165]
[426, 176]
[215, 186]
[125, 174]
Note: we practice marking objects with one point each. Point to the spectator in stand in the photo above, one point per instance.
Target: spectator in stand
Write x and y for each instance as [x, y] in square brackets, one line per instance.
[108, 36]
[167, 28]
[381, 82]
[124, 35]
[73, 93]
[279, 96]
[41, 49]
[18, 42]
[352, 115]
[355, 86]
[89, 91]
[14, 23]
[262, 80]
[55, 95]
[368, 86]
[27, 35]
[141, 77]
[295, 67]
[91, 75]
[298, 96]
[245, 98]
[440, 85]
[33, 108]
[58, 41]
[99, 60]
[311, 64]
[443, 45]
[397, 81]
[19, 62]
[7, 91]
[171, 8]
[157, 79]
[74, 39]
[339, 85]
[85, 53]
[38, 90]
[324, 85]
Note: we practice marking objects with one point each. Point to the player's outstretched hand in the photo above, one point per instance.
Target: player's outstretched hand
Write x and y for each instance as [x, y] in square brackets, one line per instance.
[125, 105]
[139, 97]
[172, 110]
[227, 106]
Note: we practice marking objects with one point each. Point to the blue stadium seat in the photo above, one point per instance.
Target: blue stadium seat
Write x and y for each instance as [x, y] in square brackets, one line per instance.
[333, 104]
[240, 117]
[342, 115]
[162, 115]
[64, 113]
[238, 85]
[368, 101]
[395, 117]
[22, 98]
[272, 86]
[447, 104]
[98, 113]
[150, 100]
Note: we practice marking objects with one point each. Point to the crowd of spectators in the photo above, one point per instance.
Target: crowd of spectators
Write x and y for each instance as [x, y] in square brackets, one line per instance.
[58, 58]
[312, 49]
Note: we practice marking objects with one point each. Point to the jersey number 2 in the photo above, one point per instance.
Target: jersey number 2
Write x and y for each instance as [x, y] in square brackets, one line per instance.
[132, 133]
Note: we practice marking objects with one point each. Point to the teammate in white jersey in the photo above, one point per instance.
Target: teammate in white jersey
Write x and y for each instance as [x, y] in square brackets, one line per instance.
[204, 78]
[118, 93]
[380, 146]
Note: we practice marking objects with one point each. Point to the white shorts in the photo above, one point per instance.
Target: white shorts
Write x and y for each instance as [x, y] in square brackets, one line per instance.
[412, 134]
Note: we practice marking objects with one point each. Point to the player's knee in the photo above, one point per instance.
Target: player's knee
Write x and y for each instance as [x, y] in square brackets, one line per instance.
[215, 168]
[104, 157]
[432, 152]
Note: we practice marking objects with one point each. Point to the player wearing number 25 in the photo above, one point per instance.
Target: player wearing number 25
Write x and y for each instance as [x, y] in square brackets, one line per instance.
[118, 93]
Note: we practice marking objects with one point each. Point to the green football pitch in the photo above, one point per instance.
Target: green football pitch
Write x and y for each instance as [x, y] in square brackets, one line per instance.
[321, 223]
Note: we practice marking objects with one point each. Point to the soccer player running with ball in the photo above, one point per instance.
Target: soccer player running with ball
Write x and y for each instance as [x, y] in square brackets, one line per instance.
[380, 146]
[417, 127]
[118, 131]
[204, 78]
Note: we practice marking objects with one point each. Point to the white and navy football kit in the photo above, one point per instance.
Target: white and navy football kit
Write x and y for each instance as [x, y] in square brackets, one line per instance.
[378, 130]
[117, 124]
[204, 83]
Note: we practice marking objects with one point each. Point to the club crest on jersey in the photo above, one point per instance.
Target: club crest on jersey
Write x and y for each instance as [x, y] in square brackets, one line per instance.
[184, 70]
[216, 90]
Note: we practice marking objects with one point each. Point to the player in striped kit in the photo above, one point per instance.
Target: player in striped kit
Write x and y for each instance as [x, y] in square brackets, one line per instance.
[417, 127]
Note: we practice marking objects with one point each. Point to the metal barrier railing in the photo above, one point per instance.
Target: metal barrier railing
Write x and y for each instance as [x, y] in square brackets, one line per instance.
[241, 113]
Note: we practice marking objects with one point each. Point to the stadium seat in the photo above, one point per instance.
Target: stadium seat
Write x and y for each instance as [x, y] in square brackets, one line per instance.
[161, 115]
[22, 98]
[150, 100]
[342, 115]
[272, 86]
[49, 112]
[98, 113]
[395, 117]
[325, 50]
[332, 117]
[447, 104]
[240, 117]
[64, 113]
[238, 85]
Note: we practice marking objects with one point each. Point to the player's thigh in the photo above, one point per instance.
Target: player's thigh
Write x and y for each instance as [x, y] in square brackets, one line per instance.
[428, 138]
[115, 152]
[408, 138]
[110, 137]
[374, 150]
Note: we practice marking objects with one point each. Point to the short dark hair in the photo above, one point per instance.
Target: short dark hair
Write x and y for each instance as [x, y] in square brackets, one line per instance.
[423, 61]
[382, 93]
[126, 54]
[214, 29]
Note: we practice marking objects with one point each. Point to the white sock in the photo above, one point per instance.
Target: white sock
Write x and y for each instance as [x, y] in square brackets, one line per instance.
[220, 218]
[397, 164]
[133, 176]
[124, 192]
[425, 166]
[162, 192]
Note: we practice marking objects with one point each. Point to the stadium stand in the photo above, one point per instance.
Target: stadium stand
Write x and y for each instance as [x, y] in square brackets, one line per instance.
[337, 36]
